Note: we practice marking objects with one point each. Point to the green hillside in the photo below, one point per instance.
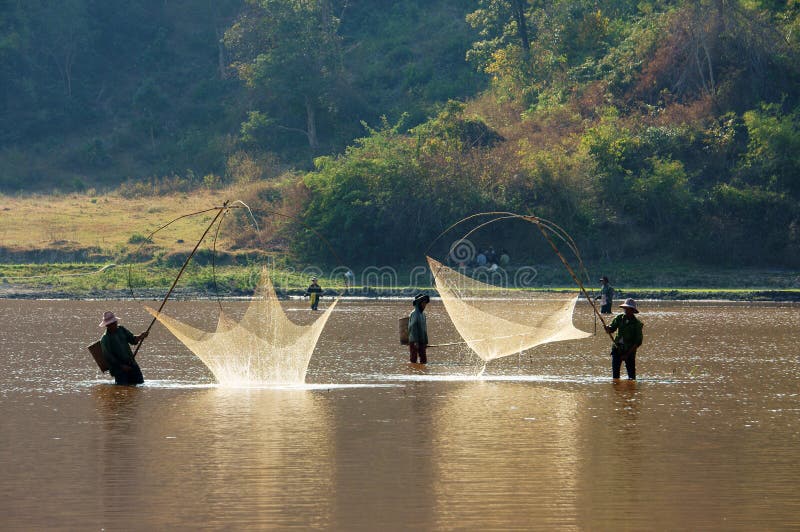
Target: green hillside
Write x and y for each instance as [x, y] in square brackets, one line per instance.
[653, 131]
[98, 92]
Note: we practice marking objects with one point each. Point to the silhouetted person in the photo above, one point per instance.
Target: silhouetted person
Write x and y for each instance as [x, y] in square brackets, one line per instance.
[606, 296]
[314, 292]
[418, 330]
[629, 338]
[349, 280]
[491, 256]
[505, 258]
[116, 344]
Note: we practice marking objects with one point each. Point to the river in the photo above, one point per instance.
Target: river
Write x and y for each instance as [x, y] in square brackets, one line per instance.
[706, 438]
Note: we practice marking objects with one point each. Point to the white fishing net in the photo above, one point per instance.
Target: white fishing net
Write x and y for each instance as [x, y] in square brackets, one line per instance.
[263, 348]
[498, 321]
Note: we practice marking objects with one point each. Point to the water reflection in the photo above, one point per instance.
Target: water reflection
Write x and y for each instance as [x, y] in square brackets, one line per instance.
[384, 469]
[506, 454]
[122, 461]
[216, 457]
[627, 401]
[706, 438]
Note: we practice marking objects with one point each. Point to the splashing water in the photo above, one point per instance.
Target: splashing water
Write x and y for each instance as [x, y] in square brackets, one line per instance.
[264, 348]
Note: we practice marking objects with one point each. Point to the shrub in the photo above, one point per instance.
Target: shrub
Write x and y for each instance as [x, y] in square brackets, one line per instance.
[137, 238]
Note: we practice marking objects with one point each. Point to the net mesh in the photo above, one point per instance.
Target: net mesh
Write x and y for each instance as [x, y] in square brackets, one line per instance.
[496, 322]
[263, 348]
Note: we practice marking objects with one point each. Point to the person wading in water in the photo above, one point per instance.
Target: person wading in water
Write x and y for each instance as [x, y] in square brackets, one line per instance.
[116, 344]
[606, 296]
[629, 338]
[314, 292]
[418, 330]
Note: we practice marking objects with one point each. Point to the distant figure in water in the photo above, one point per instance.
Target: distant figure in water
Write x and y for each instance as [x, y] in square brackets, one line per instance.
[629, 338]
[314, 292]
[349, 280]
[116, 344]
[606, 296]
[418, 330]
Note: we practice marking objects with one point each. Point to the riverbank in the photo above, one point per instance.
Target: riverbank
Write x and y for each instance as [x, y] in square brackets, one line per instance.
[762, 296]
[228, 275]
[99, 246]
[108, 285]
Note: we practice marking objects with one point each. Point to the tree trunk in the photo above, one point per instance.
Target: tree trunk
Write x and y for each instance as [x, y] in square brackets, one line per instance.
[221, 60]
[311, 129]
[720, 4]
[69, 60]
[522, 26]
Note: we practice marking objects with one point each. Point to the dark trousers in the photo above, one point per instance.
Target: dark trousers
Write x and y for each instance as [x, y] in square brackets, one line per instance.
[605, 309]
[616, 363]
[134, 376]
[418, 350]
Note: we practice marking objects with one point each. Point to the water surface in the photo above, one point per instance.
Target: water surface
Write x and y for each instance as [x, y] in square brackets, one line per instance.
[707, 438]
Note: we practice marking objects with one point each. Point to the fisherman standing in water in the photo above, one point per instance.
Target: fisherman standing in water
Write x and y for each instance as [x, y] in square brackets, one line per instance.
[606, 296]
[314, 292]
[418, 330]
[116, 344]
[629, 338]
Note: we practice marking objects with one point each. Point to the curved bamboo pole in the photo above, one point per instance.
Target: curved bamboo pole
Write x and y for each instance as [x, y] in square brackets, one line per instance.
[218, 219]
[547, 228]
[255, 222]
[220, 211]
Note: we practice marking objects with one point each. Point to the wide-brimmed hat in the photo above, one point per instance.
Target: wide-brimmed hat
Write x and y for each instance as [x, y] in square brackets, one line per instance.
[313, 278]
[631, 304]
[419, 298]
[108, 318]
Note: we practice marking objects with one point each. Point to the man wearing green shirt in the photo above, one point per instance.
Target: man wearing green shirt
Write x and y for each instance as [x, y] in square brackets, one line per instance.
[418, 330]
[116, 344]
[629, 338]
[606, 296]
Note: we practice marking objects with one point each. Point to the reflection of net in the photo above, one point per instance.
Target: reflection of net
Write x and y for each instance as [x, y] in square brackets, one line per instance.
[495, 322]
[265, 347]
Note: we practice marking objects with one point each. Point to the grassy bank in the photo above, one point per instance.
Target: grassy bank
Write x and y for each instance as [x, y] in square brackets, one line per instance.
[79, 246]
[102, 225]
[104, 281]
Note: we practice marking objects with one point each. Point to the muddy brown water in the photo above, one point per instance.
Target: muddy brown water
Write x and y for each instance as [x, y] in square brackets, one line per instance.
[707, 438]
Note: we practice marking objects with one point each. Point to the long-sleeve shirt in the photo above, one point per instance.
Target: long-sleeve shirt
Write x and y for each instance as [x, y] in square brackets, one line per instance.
[417, 327]
[117, 349]
[314, 289]
[606, 294]
[629, 331]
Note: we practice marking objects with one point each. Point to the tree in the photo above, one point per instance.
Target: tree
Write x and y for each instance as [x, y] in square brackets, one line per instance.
[773, 155]
[502, 24]
[725, 52]
[527, 45]
[288, 52]
[43, 44]
[64, 38]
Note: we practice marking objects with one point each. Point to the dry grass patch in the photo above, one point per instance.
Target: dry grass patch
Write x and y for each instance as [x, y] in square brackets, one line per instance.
[106, 221]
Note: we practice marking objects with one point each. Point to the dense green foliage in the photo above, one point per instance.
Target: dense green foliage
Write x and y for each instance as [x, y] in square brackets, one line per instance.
[654, 129]
[665, 130]
[96, 92]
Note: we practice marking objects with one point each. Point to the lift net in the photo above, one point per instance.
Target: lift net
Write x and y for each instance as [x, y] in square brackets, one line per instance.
[263, 348]
[496, 322]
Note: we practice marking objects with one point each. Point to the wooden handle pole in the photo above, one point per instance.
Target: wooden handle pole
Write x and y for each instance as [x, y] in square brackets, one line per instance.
[186, 263]
[571, 272]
